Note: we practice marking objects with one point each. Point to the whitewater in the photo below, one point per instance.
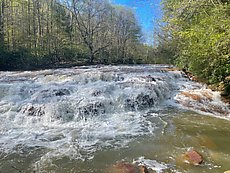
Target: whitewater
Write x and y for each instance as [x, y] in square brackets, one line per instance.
[78, 111]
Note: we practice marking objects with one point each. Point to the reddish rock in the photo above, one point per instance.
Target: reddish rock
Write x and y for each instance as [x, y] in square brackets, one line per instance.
[193, 96]
[195, 78]
[143, 169]
[193, 157]
[207, 94]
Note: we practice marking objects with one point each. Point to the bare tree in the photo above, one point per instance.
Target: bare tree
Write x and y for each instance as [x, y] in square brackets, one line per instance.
[125, 30]
[91, 18]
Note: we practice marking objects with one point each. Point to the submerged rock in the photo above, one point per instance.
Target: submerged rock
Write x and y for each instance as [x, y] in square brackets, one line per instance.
[33, 110]
[193, 157]
[51, 93]
[141, 102]
[96, 93]
[206, 142]
[92, 109]
[123, 167]
[192, 96]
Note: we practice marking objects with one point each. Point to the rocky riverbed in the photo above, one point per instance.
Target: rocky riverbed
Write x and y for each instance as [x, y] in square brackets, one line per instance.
[111, 118]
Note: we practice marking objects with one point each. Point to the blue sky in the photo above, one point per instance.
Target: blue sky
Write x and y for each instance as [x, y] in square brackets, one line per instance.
[147, 12]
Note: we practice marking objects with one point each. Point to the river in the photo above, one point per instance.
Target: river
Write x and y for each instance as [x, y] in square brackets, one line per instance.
[85, 119]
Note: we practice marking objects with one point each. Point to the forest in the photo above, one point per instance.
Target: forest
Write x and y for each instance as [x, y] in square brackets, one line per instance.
[197, 34]
[50, 33]
[193, 35]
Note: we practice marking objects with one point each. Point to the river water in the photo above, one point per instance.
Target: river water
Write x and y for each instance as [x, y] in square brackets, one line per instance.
[86, 119]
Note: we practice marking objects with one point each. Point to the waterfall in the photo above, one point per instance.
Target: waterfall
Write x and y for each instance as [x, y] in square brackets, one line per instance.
[79, 110]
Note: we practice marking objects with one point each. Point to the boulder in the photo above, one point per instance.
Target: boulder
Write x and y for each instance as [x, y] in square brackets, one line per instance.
[92, 109]
[143, 169]
[141, 102]
[227, 171]
[193, 157]
[33, 110]
[149, 78]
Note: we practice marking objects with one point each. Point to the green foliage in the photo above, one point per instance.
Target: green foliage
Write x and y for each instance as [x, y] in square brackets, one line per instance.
[202, 33]
[14, 59]
[46, 34]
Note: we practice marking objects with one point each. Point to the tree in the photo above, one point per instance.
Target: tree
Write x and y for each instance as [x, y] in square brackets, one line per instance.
[125, 32]
[90, 17]
[200, 29]
[2, 8]
[45, 33]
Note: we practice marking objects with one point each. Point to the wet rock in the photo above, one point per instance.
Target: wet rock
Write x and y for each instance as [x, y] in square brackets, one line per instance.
[108, 78]
[142, 101]
[127, 168]
[61, 92]
[195, 78]
[207, 94]
[33, 110]
[129, 104]
[187, 74]
[52, 138]
[53, 92]
[206, 142]
[217, 109]
[149, 78]
[96, 93]
[118, 78]
[91, 109]
[191, 77]
[203, 100]
[193, 157]
[64, 116]
[143, 169]
[192, 96]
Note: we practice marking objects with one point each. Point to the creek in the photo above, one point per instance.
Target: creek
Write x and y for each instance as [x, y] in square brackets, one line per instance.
[85, 119]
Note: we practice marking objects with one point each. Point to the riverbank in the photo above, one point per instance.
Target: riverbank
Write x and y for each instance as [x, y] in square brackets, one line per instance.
[221, 87]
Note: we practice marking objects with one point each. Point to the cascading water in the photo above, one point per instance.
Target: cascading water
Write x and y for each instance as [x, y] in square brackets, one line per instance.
[76, 112]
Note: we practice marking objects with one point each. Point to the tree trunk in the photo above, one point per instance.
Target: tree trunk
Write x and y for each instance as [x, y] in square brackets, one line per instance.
[2, 6]
[29, 25]
[34, 25]
[12, 25]
[91, 56]
[39, 19]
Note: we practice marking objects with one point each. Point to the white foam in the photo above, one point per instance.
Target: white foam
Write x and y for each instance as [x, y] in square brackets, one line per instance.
[83, 109]
[152, 164]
